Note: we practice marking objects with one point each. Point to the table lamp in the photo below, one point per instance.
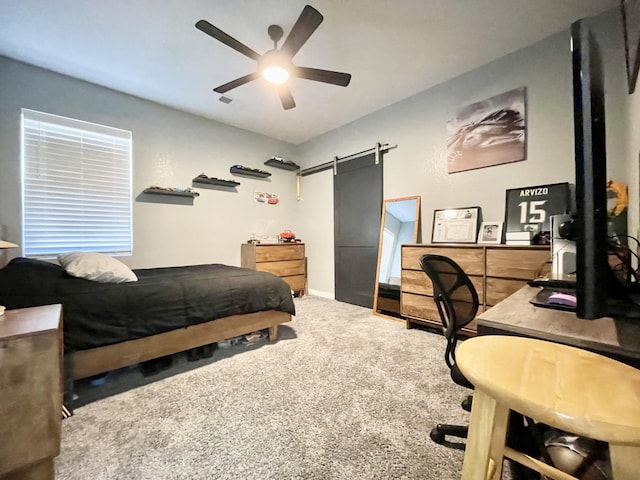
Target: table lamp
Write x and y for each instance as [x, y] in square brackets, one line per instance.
[4, 245]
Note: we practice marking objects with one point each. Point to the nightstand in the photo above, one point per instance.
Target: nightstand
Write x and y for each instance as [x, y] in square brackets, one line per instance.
[30, 392]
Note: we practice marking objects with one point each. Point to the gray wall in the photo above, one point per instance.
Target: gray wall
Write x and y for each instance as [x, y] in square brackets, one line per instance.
[418, 126]
[169, 149]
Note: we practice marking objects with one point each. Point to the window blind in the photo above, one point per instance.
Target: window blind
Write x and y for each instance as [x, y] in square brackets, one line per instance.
[76, 186]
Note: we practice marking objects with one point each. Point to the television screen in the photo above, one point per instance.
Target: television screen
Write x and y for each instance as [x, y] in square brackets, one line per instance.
[598, 292]
[591, 168]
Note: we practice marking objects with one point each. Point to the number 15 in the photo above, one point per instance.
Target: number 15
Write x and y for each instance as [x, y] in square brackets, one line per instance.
[533, 208]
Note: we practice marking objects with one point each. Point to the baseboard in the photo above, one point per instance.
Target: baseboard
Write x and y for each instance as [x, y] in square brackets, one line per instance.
[319, 293]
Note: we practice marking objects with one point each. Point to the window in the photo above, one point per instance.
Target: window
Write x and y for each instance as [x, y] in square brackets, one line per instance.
[76, 186]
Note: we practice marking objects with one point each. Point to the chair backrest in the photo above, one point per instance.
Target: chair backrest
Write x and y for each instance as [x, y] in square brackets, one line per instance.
[455, 296]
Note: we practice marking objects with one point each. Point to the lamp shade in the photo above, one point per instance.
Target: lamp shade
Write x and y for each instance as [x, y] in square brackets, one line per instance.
[5, 244]
[275, 66]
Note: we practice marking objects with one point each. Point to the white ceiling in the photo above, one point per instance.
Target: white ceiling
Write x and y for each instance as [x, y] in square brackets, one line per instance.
[393, 48]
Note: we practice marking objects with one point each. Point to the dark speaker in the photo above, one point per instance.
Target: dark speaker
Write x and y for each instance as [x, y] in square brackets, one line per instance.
[567, 229]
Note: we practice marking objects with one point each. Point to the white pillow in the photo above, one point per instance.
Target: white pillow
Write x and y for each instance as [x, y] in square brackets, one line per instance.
[97, 267]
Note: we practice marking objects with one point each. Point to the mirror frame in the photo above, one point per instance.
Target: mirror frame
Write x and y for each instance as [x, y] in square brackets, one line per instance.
[416, 231]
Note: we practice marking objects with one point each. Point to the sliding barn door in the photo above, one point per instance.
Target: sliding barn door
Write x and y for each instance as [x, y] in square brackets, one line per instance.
[357, 200]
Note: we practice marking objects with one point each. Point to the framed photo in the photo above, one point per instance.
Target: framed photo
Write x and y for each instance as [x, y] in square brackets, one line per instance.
[490, 232]
[455, 225]
[631, 24]
[528, 209]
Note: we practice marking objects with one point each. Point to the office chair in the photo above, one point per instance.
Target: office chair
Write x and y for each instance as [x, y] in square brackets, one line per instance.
[457, 301]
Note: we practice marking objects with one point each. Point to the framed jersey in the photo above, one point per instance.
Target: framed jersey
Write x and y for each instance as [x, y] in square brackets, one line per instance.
[530, 208]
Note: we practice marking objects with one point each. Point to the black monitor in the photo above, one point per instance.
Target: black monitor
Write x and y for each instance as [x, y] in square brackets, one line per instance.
[598, 291]
[591, 173]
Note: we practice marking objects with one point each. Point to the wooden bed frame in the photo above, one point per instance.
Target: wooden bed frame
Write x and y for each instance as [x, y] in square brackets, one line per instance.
[86, 363]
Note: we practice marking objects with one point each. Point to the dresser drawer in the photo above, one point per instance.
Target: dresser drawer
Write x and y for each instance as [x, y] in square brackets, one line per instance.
[296, 282]
[522, 264]
[274, 253]
[420, 306]
[418, 282]
[283, 268]
[423, 309]
[500, 288]
[471, 260]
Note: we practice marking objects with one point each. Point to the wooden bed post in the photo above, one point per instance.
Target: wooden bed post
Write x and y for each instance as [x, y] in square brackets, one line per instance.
[273, 333]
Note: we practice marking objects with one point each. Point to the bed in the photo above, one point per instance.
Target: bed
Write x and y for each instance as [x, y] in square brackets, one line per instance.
[167, 310]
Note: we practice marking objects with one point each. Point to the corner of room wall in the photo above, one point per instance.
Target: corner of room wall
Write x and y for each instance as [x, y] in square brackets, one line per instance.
[418, 165]
[170, 148]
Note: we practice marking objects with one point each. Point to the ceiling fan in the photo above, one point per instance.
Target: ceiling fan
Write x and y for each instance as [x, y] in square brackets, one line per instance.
[276, 65]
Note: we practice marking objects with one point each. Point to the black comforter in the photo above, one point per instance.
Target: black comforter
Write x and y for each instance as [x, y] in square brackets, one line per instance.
[97, 314]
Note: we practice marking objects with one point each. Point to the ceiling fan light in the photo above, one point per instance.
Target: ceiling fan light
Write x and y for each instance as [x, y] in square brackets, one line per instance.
[275, 74]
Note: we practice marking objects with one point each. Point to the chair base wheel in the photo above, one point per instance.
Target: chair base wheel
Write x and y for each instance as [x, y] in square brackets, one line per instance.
[437, 436]
[439, 432]
[467, 403]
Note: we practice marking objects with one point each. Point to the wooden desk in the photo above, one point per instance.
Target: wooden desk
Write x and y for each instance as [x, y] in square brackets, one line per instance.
[615, 338]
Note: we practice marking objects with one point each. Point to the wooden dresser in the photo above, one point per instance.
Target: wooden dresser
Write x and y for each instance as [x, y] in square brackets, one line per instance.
[30, 392]
[496, 271]
[287, 260]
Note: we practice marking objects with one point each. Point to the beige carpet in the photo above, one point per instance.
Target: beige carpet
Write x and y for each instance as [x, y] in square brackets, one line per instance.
[342, 395]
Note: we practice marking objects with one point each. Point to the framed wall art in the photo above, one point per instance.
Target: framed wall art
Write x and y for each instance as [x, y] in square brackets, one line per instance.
[455, 225]
[528, 209]
[487, 133]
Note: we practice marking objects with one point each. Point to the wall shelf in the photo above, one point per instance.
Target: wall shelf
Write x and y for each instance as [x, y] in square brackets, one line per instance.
[161, 191]
[283, 164]
[249, 172]
[215, 181]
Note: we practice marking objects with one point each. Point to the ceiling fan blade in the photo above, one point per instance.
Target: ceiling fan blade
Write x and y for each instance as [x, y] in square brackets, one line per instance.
[236, 83]
[285, 97]
[307, 22]
[325, 76]
[227, 39]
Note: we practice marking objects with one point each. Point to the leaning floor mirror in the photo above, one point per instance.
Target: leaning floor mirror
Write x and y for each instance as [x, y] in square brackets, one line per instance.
[400, 225]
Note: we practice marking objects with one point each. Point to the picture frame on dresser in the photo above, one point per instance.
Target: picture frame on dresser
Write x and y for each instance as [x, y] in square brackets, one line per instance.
[490, 232]
[455, 225]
